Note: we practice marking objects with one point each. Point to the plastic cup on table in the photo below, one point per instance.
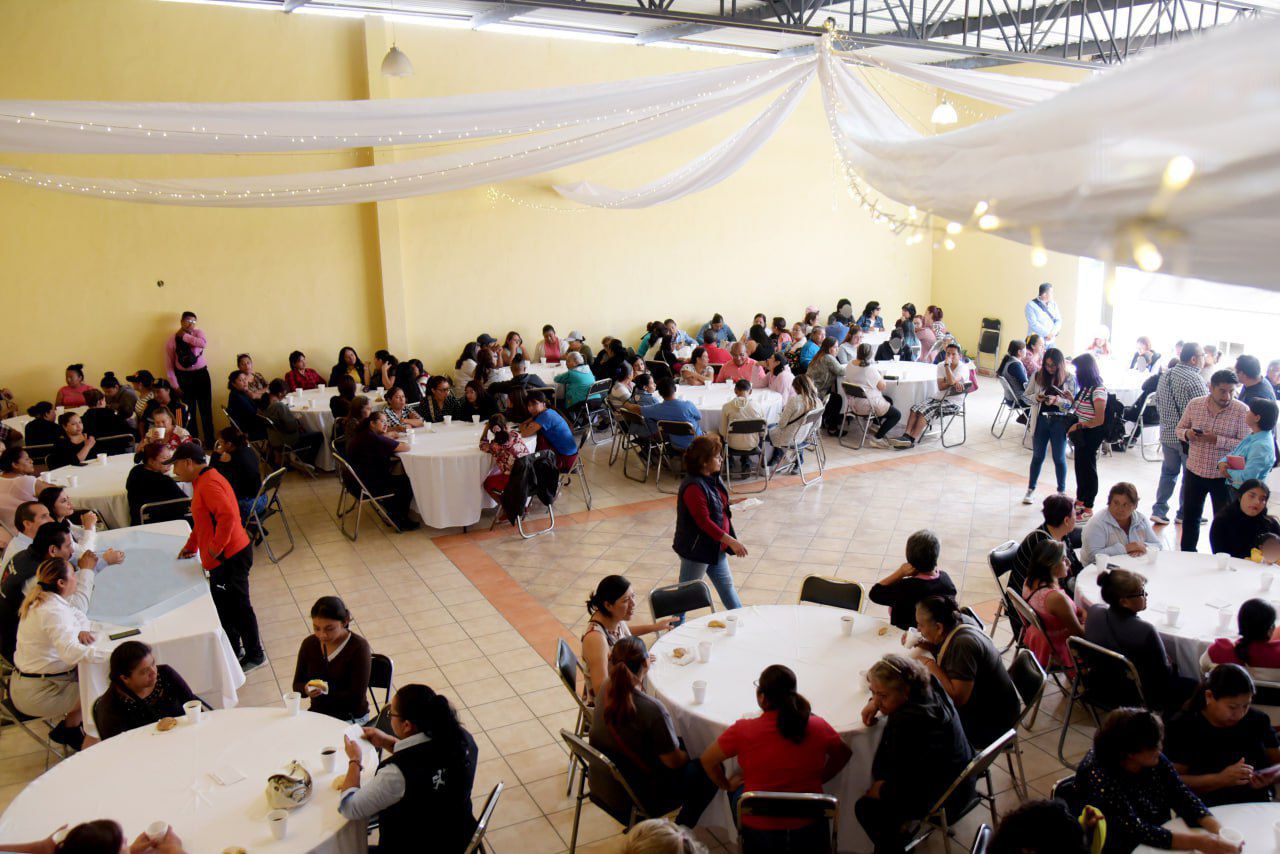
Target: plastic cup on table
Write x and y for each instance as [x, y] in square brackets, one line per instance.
[293, 703]
[330, 757]
[1265, 581]
[102, 459]
[1171, 614]
[1224, 619]
[846, 625]
[194, 710]
[731, 625]
[475, 419]
[278, 821]
[1230, 834]
[704, 651]
[157, 831]
[1224, 560]
[699, 692]
[448, 419]
[73, 480]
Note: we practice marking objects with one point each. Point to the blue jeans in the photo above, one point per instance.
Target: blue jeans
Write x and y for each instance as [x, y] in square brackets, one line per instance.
[247, 505]
[720, 575]
[1050, 431]
[1170, 467]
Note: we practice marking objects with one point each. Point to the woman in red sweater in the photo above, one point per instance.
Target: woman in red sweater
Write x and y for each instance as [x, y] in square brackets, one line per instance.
[704, 536]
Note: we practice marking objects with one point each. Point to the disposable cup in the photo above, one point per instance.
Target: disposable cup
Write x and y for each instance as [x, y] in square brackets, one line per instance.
[330, 758]
[704, 651]
[194, 710]
[160, 432]
[1224, 619]
[1230, 834]
[102, 459]
[1265, 581]
[293, 702]
[699, 692]
[1171, 615]
[448, 419]
[475, 419]
[731, 625]
[543, 360]
[157, 830]
[846, 625]
[278, 821]
[1224, 560]
[73, 480]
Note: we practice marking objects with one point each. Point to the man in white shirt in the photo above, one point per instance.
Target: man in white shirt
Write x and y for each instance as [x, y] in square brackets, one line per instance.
[26, 521]
[1043, 317]
[740, 408]
[953, 378]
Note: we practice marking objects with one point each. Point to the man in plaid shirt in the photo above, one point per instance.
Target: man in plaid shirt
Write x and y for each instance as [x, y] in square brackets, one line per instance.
[1211, 426]
[1178, 386]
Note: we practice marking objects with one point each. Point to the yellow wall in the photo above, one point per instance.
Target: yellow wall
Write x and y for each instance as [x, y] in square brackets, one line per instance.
[780, 234]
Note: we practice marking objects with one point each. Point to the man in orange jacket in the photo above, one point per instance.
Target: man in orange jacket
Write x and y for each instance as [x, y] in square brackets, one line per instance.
[225, 550]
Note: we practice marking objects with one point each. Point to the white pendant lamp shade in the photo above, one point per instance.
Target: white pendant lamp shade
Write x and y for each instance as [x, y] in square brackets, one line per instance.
[943, 114]
[396, 64]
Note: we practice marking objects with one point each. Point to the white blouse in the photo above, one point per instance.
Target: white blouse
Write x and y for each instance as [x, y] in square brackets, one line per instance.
[48, 636]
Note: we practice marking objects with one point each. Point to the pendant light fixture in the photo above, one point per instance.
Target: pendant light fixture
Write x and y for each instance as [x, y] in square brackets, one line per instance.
[396, 63]
[944, 114]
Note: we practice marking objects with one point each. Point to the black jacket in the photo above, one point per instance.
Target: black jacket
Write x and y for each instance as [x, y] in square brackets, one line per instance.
[1236, 533]
[532, 476]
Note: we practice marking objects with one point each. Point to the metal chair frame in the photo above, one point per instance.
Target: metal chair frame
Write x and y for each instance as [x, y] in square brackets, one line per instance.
[146, 509]
[671, 598]
[793, 805]
[1026, 661]
[853, 392]
[476, 845]
[262, 446]
[358, 500]
[626, 442]
[834, 592]
[567, 668]
[381, 665]
[1081, 650]
[1030, 619]
[586, 755]
[1143, 444]
[948, 411]
[1002, 552]
[807, 438]
[288, 454]
[597, 403]
[979, 768]
[270, 487]
[747, 427]
[11, 714]
[666, 449]
[981, 840]
[1010, 405]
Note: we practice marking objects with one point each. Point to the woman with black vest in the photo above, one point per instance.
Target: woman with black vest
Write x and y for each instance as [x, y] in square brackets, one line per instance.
[424, 783]
[704, 536]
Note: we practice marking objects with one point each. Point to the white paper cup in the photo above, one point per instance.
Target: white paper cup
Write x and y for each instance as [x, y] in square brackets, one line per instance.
[846, 625]
[1171, 615]
[160, 432]
[1224, 619]
[321, 387]
[543, 360]
[1224, 560]
[157, 830]
[699, 692]
[330, 758]
[704, 651]
[194, 710]
[475, 419]
[1230, 834]
[293, 702]
[278, 821]
[731, 625]
[60, 835]
[102, 459]
[448, 419]
[911, 637]
[73, 480]
[1265, 581]
[408, 437]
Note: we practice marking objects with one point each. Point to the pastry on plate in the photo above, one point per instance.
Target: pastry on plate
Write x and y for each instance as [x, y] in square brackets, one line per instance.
[679, 652]
[716, 624]
[166, 724]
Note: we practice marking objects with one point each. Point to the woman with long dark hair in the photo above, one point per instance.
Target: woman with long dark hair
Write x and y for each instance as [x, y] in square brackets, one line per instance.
[636, 732]
[1088, 432]
[1240, 526]
[141, 692]
[1050, 392]
[1059, 615]
[464, 369]
[704, 536]
[426, 780]
[348, 365]
[477, 403]
[610, 606]
[922, 749]
[786, 749]
[372, 453]
[1116, 626]
[1225, 751]
[334, 664]
[1255, 648]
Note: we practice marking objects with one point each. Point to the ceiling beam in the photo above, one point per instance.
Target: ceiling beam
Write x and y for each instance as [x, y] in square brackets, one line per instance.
[290, 5]
[496, 15]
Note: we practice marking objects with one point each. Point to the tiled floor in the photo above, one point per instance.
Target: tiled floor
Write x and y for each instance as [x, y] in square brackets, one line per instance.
[476, 615]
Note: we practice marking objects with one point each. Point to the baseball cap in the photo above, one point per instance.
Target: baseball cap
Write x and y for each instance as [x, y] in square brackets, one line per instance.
[144, 377]
[189, 451]
[575, 335]
[485, 339]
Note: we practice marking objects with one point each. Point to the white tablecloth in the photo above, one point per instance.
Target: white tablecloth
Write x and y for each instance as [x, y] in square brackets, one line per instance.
[101, 488]
[446, 468]
[1194, 583]
[912, 383]
[312, 409]
[1125, 384]
[1259, 823]
[19, 422]
[829, 671]
[188, 638]
[143, 776]
[710, 400]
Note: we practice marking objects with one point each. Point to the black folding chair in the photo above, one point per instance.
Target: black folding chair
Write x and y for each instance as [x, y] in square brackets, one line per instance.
[680, 598]
[831, 591]
[1011, 406]
[476, 845]
[1028, 679]
[10, 715]
[630, 437]
[1002, 560]
[854, 393]
[794, 805]
[270, 489]
[667, 450]
[165, 511]
[979, 768]
[748, 427]
[1104, 681]
[353, 487]
[567, 667]
[596, 410]
[618, 799]
[382, 673]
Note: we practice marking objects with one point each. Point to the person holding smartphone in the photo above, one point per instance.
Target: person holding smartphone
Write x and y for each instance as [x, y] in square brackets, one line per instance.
[1050, 392]
[1211, 427]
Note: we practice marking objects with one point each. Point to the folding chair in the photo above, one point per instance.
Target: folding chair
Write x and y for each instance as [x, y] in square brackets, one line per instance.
[1010, 406]
[165, 511]
[596, 407]
[535, 458]
[1002, 560]
[946, 413]
[797, 805]
[9, 714]
[981, 840]
[567, 667]
[352, 486]
[39, 453]
[476, 845]
[120, 443]
[629, 438]
[750, 427]
[1143, 444]
[667, 451]
[973, 615]
[287, 453]
[579, 470]
[831, 591]
[1104, 681]
[807, 438]
[657, 369]
[270, 490]
[680, 598]
[979, 768]
[382, 672]
[852, 394]
[1068, 792]
[260, 445]
[1028, 680]
[1030, 619]
[619, 800]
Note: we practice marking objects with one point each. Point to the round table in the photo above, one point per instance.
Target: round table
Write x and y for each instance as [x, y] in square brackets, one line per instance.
[710, 400]
[1258, 823]
[144, 775]
[1194, 583]
[101, 488]
[446, 468]
[312, 408]
[19, 422]
[829, 670]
